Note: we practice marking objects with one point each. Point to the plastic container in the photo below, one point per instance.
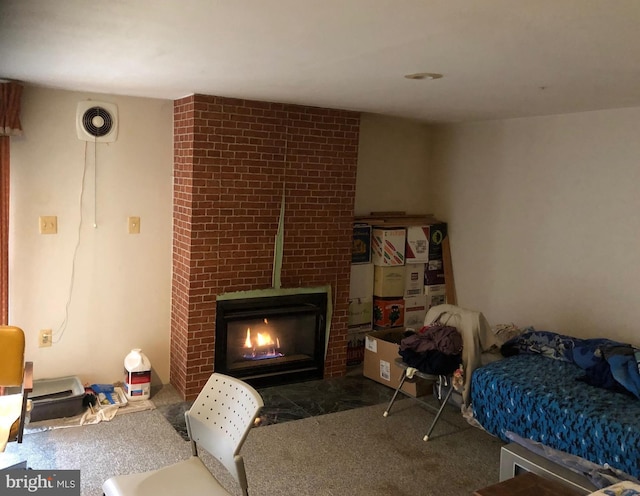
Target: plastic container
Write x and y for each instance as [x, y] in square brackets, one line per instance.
[56, 398]
[137, 375]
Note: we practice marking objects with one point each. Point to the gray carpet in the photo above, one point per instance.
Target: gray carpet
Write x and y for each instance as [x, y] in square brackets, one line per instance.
[355, 452]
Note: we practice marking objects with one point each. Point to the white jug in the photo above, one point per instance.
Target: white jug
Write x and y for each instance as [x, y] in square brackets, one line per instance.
[137, 371]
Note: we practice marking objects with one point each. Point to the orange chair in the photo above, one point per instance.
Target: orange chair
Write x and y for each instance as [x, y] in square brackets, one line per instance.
[16, 382]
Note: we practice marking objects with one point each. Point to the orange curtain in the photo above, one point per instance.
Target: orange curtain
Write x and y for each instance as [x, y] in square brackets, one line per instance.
[10, 94]
[4, 230]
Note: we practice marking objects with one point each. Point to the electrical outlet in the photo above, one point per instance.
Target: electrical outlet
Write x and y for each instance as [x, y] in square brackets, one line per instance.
[45, 338]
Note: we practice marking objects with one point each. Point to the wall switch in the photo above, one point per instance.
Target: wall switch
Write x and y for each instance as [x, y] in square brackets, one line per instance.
[48, 224]
[45, 338]
[134, 225]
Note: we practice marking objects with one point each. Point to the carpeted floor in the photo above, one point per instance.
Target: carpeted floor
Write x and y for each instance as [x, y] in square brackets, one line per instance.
[361, 453]
[356, 452]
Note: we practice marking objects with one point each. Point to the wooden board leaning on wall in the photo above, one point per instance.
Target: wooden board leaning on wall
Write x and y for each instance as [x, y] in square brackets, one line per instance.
[402, 219]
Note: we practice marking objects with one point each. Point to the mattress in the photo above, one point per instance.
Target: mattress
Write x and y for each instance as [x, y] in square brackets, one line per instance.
[542, 399]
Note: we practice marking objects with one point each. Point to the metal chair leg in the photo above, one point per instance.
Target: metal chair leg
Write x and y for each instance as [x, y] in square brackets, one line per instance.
[435, 420]
[404, 376]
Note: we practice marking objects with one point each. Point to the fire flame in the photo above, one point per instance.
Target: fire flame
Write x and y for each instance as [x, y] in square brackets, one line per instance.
[262, 339]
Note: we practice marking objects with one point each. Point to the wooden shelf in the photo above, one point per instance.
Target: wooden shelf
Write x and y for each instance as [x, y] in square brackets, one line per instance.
[396, 219]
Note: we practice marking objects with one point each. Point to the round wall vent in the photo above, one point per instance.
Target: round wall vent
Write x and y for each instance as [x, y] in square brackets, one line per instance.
[97, 121]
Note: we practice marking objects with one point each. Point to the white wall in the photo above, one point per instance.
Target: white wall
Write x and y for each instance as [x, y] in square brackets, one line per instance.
[543, 218]
[121, 282]
[542, 212]
[393, 166]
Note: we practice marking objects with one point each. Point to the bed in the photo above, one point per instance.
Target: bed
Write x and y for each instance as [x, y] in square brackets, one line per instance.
[559, 396]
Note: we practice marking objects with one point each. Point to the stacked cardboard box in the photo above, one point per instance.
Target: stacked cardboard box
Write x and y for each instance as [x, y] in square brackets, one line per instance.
[361, 247]
[417, 245]
[388, 247]
[417, 254]
[400, 257]
[419, 264]
[435, 288]
[355, 348]
[360, 293]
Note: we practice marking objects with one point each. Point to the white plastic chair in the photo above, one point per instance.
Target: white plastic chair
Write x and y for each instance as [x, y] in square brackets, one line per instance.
[219, 422]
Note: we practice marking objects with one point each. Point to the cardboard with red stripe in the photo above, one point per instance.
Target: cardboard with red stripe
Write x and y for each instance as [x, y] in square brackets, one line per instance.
[388, 245]
[417, 246]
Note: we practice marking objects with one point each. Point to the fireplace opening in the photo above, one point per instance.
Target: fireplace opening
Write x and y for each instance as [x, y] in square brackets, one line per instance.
[273, 339]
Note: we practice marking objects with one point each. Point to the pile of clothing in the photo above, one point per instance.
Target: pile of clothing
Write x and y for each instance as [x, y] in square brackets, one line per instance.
[607, 364]
[435, 349]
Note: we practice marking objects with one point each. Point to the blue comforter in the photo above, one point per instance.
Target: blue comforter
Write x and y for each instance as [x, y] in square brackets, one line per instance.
[607, 364]
[543, 400]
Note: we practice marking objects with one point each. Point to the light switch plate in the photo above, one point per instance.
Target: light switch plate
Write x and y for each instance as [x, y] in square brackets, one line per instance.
[134, 225]
[48, 224]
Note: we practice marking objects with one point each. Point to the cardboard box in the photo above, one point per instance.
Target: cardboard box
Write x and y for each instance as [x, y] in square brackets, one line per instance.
[436, 295]
[413, 280]
[361, 281]
[388, 312]
[361, 246]
[417, 245]
[437, 233]
[434, 273]
[360, 314]
[388, 281]
[414, 311]
[387, 246]
[355, 347]
[380, 352]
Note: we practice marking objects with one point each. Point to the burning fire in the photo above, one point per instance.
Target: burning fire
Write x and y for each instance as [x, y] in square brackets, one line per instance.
[261, 346]
[261, 339]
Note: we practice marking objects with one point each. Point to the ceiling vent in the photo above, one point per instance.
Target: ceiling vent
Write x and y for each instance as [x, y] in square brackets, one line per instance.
[97, 121]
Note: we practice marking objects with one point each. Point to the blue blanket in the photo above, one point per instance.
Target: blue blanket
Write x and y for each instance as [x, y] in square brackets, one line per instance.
[541, 399]
[607, 364]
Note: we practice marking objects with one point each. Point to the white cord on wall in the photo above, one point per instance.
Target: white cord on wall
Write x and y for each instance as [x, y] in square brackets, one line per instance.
[59, 332]
[95, 183]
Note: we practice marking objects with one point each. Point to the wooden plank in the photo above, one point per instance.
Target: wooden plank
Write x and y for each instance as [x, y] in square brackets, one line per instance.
[391, 213]
[450, 286]
[392, 219]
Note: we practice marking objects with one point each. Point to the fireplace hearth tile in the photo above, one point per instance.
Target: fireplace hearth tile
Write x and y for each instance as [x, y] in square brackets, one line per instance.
[325, 396]
[277, 408]
[303, 399]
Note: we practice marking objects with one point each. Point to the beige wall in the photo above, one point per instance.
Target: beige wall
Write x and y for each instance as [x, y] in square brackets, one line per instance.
[543, 217]
[121, 282]
[393, 166]
[121, 290]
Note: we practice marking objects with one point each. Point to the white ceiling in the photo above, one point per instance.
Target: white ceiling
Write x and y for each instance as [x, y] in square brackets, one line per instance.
[499, 58]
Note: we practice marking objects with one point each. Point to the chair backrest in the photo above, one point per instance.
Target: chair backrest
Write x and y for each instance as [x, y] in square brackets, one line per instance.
[221, 418]
[11, 356]
[476, 337]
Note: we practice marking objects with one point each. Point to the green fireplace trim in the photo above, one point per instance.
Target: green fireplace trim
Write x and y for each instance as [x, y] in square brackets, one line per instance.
[279, 246]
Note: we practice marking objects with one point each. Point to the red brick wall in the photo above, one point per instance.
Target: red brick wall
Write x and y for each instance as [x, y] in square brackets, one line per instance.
[232, 159]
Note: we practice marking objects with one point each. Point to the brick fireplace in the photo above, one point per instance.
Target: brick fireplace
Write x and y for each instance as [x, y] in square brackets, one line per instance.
[232, 159]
